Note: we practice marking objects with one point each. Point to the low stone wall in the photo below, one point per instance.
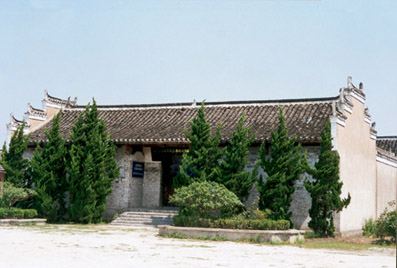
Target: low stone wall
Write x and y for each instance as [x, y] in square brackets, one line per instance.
[22, 221]
[290, 236]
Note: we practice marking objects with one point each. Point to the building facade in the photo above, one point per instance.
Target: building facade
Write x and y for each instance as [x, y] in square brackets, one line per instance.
[150, 142]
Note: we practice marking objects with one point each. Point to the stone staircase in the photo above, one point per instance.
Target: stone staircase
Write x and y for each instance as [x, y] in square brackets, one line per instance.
[146, 217]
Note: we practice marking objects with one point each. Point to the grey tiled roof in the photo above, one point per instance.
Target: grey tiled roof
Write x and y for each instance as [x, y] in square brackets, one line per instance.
[387, 143]
[164, 123]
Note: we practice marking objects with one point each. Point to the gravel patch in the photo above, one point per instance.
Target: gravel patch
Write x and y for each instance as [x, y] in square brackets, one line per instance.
[107, 246]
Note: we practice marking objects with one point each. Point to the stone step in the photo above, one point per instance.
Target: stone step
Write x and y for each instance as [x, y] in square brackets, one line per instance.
[149, 213]
[144, 222]
[152, 212]
[155, 210]
[142, 219]
[145, 217]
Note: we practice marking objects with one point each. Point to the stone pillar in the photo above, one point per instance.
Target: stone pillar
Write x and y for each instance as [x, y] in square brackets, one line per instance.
[147, 152]
[151, 196]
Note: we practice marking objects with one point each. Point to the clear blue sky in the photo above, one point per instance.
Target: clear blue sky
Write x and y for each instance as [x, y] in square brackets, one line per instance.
[129, 52]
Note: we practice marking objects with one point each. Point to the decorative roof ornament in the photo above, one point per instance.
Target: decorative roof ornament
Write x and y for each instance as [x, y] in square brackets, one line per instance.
[349, 82]
[15, 123]
[60, 103]
[373, 127]
[34, 112]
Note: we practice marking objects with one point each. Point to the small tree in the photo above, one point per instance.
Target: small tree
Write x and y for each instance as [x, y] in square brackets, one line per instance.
[92, 167]
[200, 162]
[11, 195]
[13, 162]
[48, 171]
[231, 171]
[325, 189]
[205, 199]
[283, 168]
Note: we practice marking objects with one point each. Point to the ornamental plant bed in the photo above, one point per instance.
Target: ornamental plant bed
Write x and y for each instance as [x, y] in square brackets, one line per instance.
[273, 236]
[246, 224]
[22, 221]
[17, 213]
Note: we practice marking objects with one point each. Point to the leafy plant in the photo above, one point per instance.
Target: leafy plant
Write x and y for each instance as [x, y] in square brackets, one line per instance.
[30, 213]
[48, 172]
[231, 223]
[231, 171]
[369, 228]
[13, 162]
[283, 167]
[205, 199]
[386, 224]
[200, 163]
[17, 213]
[11, 194]
[326, 188]
[91, 166]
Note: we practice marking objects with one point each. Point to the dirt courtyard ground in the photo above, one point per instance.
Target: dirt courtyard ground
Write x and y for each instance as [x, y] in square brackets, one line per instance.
[107, 246]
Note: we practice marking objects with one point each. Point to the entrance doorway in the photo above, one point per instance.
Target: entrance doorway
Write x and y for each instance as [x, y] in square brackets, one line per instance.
[171, 159]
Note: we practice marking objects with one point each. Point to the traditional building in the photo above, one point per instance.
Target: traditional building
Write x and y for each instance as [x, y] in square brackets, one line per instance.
[150, 141]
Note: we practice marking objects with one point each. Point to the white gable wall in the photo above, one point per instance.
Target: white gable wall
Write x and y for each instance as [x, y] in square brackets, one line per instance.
[357, 152]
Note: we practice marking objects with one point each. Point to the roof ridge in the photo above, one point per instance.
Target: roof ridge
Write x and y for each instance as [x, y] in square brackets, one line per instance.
[386, 137]
[191, 104]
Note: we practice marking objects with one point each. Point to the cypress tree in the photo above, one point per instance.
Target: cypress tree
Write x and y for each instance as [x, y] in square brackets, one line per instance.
[231, 171]
[92, 167]
[283, 168]
[13, 162]
[48, 173]
[326, 188]
[200, 163]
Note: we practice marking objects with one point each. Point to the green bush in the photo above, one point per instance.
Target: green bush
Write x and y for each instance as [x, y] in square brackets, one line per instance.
[386, 224]
[206, 199]
[3, 213]
[30, 213]
[11, 195]
[254, 215]
[369, 227]
[17, 213]
[247, 224]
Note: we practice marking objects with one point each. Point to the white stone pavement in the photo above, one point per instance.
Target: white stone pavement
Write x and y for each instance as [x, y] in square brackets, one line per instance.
[106, 246]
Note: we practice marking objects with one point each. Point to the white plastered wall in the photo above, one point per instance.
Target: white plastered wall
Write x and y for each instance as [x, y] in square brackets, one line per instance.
[357, 152]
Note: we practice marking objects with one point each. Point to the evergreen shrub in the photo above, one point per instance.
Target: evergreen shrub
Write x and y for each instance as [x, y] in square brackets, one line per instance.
[30, 213]
[325, 188]
[369, 228]
[11, 195]
[206, 199]
[4, 213]
[17, 213]
[386, 224]
[48, 173]
[225, 223]
[201, 162]
[231, 171]
[283, 166]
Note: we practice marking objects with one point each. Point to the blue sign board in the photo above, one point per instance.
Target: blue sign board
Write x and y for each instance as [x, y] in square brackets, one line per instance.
[138, 169]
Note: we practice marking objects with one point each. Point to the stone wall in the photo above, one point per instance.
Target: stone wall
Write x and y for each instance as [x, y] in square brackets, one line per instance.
[301, 201]
[131, 192]
[118, 200]
[152, 185]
